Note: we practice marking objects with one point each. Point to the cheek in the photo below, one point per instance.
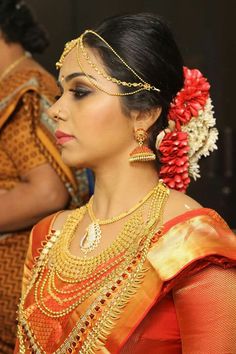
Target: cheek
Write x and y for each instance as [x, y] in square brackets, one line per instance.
[98, 115]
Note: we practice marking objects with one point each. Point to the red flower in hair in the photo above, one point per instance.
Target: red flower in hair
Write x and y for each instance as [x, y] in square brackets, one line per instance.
[191, 99]
[174, 158]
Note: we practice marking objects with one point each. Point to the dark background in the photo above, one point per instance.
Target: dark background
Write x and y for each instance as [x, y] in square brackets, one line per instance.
[205, 32]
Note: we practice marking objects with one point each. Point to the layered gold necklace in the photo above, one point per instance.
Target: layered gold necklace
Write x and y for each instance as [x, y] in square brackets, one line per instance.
[83, 276]
[93, 234]
[62, 281]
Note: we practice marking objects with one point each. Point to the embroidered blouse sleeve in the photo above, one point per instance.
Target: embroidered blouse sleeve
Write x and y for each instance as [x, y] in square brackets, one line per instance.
[206, 311]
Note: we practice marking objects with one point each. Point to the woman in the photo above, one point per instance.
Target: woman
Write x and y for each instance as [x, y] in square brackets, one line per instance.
[34, 181]
[142, 267]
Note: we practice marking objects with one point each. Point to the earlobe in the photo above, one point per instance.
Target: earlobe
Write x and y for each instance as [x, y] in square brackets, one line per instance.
[145, 119]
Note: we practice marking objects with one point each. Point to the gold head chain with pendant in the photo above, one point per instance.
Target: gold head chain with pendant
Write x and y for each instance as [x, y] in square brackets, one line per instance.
[78, 43]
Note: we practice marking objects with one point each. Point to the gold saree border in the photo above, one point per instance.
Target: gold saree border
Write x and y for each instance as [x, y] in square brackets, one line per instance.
[166, 261]
[195, 238]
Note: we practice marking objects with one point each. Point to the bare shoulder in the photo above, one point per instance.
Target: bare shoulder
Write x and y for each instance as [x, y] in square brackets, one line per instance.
[60, 219]
[178, 203]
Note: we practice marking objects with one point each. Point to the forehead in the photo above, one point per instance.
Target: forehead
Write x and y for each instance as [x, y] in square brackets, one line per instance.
[76, 62]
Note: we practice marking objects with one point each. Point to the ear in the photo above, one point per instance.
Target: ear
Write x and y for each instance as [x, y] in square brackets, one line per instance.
[145, 119]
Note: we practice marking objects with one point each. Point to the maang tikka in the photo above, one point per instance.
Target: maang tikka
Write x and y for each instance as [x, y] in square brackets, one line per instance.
[141, 152]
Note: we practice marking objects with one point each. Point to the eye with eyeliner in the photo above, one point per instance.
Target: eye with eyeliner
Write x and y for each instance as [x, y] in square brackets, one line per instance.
[79, 92]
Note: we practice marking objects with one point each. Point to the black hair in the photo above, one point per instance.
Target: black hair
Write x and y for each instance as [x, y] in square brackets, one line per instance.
[18, 25]
[147, 45]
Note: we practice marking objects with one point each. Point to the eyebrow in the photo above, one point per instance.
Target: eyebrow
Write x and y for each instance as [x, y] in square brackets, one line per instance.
[73, 75]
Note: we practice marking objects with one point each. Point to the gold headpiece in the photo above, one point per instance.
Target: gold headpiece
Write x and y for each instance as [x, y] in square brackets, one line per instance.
[78, 43]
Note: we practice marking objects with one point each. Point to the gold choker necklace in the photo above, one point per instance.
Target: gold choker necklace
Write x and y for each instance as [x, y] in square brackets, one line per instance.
[93, 234]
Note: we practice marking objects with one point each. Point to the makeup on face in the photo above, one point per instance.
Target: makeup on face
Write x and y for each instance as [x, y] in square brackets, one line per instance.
[72, 76]
[62, 137]
[76, 84]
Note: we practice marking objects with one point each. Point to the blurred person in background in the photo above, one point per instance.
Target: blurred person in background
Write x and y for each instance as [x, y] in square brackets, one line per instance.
[34, 181]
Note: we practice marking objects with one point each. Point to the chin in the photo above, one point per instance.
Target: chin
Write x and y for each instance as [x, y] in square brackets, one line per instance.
[73, 161]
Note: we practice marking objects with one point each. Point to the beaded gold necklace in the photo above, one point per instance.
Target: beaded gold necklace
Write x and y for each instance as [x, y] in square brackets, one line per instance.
[93, 234]
[56, 266]
[82, 276]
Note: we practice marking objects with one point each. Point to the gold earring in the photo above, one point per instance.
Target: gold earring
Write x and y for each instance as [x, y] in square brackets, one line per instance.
[141, 152]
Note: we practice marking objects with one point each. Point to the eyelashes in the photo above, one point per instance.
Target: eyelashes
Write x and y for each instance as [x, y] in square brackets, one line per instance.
[78, 93]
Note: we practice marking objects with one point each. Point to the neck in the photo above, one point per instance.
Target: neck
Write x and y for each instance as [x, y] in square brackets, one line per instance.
[10, 52]
[119, 189]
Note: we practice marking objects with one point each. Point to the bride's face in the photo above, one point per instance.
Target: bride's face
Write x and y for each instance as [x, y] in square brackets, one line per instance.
[92, 128]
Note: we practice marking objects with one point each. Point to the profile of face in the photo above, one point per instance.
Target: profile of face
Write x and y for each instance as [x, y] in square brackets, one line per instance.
[92, 128]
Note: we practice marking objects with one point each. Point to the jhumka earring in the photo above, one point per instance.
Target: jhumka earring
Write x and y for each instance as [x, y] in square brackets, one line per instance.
[141, 152]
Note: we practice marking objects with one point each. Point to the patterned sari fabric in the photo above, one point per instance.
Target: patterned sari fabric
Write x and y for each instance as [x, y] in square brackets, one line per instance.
[26, 141]
[180, 299]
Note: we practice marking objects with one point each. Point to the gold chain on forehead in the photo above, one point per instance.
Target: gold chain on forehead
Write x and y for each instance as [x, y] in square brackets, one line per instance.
[78, 43]
[68, 47]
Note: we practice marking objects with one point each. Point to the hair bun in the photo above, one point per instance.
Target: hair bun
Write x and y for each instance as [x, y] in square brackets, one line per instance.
[18, 25]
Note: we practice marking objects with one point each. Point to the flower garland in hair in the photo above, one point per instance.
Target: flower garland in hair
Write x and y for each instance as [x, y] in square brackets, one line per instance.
[191, 133]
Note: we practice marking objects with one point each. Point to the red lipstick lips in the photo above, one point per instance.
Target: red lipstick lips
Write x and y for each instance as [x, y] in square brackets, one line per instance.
[62, 137]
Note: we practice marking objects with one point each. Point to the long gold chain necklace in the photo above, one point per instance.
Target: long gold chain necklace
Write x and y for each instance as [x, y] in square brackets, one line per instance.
[73, 297]
[93, 234]
[84, 280]
[14, 64]
[144, 234]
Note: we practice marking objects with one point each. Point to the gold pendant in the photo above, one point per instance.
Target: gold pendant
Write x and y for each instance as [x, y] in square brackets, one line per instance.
[92, 238]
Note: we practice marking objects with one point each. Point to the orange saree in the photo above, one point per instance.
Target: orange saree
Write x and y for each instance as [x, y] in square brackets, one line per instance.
[26, 141]
[180, 299]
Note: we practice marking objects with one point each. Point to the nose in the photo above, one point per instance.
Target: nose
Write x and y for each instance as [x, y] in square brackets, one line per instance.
[51, 111]
[55, 112]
